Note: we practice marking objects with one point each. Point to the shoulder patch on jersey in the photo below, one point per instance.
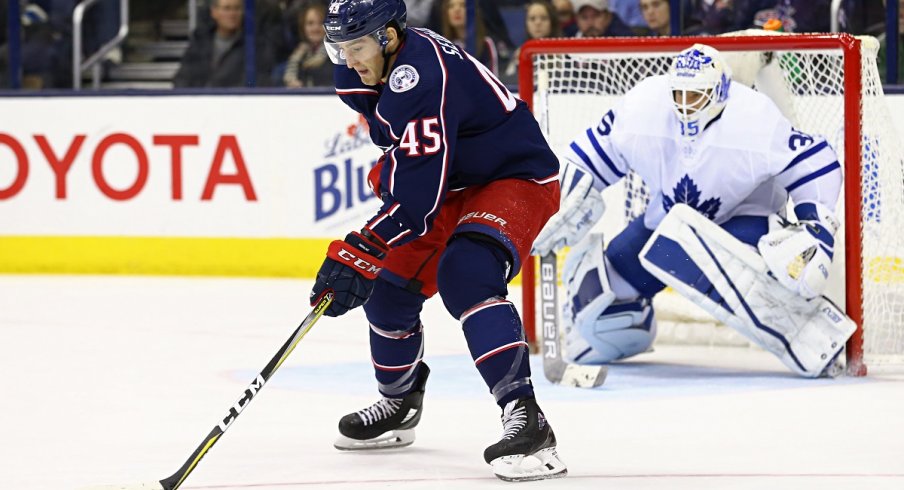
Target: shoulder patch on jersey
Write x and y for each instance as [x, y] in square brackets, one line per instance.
[403, 78]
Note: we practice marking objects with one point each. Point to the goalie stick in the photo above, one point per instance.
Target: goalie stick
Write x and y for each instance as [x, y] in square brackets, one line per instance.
[176, 479]
[554, 366]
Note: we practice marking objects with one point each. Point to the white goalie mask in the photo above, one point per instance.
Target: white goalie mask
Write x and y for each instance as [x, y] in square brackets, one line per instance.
[699, 80]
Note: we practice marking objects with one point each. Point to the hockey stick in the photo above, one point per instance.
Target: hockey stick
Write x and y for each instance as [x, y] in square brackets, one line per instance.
[175, 480]
[554, 366]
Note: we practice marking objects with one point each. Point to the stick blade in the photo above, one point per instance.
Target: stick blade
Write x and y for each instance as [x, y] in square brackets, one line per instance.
[583, 376]
[132, 486]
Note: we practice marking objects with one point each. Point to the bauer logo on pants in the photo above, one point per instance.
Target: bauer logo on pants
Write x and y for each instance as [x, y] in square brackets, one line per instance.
[473, 215]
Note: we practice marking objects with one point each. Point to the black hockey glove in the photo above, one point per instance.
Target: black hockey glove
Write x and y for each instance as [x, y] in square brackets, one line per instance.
[349, 270]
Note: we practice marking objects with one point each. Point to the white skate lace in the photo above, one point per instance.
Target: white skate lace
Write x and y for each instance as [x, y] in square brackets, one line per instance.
[384, 408]
[513, 420]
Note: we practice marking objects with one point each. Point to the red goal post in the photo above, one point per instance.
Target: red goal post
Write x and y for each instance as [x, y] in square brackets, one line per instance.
[851, 85]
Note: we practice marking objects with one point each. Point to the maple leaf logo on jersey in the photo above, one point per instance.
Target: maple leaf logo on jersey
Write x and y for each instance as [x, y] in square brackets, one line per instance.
[686, 192]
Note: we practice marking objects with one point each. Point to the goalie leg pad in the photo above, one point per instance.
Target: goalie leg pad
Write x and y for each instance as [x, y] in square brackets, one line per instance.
[587, 287]
[596, 330]
[623, 330]
[727, 278]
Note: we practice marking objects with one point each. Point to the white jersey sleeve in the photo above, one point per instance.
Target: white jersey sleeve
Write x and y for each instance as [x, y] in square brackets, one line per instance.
[595, 151]
[807, 167]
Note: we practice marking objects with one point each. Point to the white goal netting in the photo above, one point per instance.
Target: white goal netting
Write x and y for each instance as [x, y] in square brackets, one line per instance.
[572, 90]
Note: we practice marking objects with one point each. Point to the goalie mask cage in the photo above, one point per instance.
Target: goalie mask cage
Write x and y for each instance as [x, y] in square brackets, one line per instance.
[826, 84]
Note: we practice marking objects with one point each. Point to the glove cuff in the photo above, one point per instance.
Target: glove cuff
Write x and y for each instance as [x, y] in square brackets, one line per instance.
[368, 242]
[817, 213]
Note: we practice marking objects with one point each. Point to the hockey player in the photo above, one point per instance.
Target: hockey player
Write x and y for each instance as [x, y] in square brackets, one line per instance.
[467, 182]
[720, 162]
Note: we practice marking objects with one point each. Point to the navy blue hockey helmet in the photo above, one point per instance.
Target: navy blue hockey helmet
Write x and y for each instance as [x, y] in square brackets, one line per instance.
[347, 20]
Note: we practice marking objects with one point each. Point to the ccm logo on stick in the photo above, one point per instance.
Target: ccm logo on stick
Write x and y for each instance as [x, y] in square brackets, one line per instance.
[243, 402]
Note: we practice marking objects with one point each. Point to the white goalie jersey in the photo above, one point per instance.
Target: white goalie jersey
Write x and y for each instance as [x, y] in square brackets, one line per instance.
[747, 162]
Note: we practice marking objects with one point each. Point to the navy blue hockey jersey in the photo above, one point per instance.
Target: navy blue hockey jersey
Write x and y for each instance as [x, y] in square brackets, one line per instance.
[447, 124]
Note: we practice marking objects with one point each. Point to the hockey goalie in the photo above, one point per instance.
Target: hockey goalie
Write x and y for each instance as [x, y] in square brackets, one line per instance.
[721, 162]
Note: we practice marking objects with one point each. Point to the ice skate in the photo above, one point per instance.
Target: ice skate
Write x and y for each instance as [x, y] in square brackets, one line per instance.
[527, 450]
[389, 423]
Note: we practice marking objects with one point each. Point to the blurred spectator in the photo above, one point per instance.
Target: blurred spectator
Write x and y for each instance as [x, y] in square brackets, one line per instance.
[455, 29]
[795, 15]
[567, 20]
[40, 55]
[291, 35]
[594, 19]
[216, 54]
[493, 23]
[309, 65]
[629, 11]
[711, 17]
[656, 16]
[540, 21]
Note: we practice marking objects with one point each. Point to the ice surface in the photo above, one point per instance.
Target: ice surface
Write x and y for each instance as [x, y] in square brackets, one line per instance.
[118, 379]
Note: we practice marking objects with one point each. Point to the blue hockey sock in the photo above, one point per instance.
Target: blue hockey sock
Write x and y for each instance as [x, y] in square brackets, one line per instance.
[496, 341]
[396, 355]
[396, 337]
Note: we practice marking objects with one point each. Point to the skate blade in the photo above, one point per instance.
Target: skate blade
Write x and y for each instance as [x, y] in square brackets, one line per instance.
[388, 440]
[542, 465]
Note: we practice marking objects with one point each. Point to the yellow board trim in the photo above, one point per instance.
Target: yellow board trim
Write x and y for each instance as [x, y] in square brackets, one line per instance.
[166, 256]
[267, 257]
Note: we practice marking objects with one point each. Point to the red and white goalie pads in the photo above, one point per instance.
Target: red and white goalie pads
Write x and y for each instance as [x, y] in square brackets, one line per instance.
[728, 279]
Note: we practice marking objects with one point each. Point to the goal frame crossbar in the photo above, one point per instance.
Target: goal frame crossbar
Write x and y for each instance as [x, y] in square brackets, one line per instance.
[850, 47]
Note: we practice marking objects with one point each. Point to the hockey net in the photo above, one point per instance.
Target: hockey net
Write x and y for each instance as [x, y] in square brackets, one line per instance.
[825, 84]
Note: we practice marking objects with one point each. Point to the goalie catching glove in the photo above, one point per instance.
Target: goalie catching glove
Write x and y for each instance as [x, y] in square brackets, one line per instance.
[581, 207]
[349, 270]
[799, 255]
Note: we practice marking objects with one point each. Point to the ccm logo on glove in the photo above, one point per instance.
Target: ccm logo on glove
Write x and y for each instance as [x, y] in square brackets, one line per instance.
[366, 262]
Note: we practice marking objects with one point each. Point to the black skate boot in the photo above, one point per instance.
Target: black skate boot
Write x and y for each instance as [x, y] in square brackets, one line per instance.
[527, 450]
[386, 424]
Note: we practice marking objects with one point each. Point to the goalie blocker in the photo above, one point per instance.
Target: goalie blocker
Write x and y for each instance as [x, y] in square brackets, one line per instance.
[728, 279]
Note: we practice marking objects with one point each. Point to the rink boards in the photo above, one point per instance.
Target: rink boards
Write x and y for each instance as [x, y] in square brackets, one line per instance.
[252, 185]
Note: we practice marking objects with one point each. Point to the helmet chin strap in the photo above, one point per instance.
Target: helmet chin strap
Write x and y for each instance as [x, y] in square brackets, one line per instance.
[387, 54]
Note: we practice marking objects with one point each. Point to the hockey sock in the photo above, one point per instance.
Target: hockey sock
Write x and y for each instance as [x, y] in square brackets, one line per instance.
[396, 337]
[471, 281]
[396, 355]
[496, 341]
